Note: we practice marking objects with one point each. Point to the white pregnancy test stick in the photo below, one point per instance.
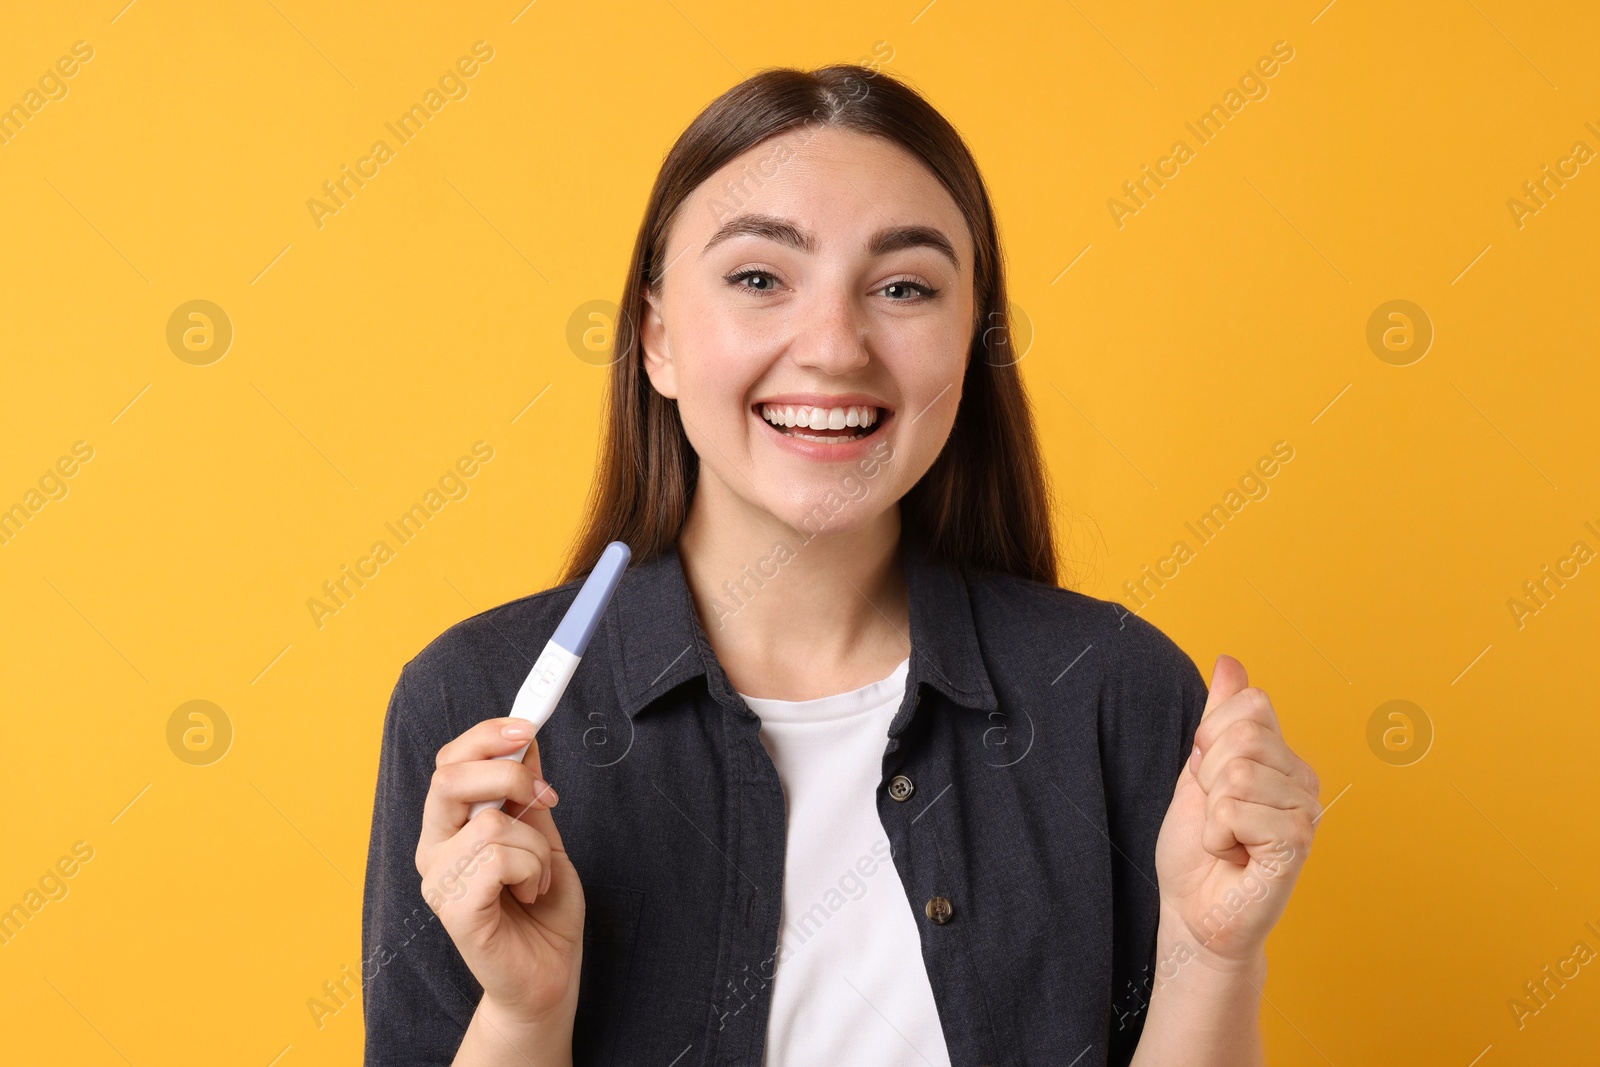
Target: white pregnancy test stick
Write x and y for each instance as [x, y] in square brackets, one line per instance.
[541, 691]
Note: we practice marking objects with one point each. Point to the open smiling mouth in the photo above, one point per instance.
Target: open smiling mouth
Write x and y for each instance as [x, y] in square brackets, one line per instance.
[823, 425]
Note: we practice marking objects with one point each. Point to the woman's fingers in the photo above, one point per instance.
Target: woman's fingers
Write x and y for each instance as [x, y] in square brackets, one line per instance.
[476, 884]
[1243, 778]
[455, 787]
[1248, 704]
[1252, 739]
[1237, 826]
[489, 738]
[535, 807]
[491, 851]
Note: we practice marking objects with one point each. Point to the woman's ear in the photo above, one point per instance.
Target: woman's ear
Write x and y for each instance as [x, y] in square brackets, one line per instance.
[657, 353]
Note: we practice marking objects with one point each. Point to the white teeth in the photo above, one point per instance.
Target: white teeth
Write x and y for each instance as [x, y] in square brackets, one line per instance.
[815, 418]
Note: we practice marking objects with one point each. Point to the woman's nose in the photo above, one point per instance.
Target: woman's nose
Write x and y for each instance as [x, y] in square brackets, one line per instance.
[831, 336]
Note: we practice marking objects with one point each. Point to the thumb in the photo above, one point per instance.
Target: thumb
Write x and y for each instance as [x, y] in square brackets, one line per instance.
[1227, 678]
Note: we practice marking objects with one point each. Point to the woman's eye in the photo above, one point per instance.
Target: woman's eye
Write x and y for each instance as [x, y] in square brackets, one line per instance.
[899, 292]
[923, 292]
[745, 275]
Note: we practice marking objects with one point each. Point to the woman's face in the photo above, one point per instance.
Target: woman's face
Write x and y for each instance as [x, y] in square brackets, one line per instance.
[820, 279]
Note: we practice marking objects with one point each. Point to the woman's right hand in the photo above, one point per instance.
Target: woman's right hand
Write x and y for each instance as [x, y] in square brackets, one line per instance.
[500, 881]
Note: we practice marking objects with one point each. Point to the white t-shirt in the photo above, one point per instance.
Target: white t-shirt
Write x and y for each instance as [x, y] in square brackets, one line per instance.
[849, 985]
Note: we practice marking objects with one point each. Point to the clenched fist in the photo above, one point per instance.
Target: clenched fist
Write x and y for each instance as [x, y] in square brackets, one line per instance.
[500, 881]
[1237, 832]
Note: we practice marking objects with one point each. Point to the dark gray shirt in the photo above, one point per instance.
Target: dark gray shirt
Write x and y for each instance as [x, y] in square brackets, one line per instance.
[1025, 777]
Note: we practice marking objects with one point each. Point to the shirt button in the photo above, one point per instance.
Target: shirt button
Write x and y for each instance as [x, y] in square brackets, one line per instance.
[900, 787]
[939, 910]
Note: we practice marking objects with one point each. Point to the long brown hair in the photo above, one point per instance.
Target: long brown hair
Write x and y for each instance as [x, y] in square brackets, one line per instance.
[984, 503]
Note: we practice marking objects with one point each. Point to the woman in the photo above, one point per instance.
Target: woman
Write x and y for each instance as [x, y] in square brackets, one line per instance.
[844, 776]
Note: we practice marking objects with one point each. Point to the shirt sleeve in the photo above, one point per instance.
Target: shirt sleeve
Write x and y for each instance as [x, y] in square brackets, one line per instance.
[1148, 723]
[418, 995]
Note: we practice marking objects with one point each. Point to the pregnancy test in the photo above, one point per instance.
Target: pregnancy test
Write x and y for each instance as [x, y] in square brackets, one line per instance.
[541, 691]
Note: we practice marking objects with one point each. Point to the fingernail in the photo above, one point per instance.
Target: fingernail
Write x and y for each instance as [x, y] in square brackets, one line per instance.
[1194, 759]
[517, 731]
[543, 792]
[544, 882]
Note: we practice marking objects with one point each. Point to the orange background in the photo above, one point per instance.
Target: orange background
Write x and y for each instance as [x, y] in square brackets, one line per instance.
[432, 311]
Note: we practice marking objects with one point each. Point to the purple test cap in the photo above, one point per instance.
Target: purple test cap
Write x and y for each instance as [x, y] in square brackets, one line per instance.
[579, 623]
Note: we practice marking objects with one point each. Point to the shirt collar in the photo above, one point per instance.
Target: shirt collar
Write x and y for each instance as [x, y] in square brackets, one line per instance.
[660, 643]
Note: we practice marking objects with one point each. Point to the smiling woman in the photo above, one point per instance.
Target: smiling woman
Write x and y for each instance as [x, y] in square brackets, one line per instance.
[770, 343]
[879, 193]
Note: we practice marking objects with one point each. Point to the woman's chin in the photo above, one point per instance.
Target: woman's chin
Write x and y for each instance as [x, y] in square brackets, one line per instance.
[831, 511]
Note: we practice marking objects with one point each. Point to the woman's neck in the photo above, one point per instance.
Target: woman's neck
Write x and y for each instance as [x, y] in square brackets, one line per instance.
[795, 614]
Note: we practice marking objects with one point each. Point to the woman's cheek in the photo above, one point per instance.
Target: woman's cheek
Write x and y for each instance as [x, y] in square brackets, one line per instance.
[929, 431]
[735, 355]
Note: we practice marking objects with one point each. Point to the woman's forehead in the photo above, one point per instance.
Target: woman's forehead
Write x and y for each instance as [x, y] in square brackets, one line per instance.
[828, 186]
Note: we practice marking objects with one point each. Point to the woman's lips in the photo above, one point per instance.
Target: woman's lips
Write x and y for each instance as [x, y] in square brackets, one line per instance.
[857, 420]
[825, 444]
[821, 421]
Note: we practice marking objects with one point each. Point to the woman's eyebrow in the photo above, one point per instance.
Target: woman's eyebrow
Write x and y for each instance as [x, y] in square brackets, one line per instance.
[770, 227]
[894, 238]
[889, 239]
